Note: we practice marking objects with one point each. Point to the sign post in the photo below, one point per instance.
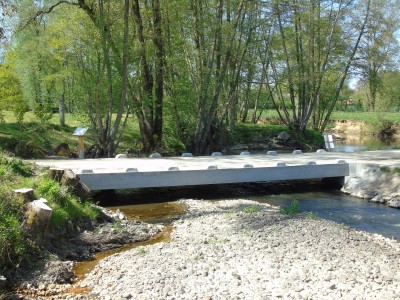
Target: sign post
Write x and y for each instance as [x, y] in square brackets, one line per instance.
[80, 133]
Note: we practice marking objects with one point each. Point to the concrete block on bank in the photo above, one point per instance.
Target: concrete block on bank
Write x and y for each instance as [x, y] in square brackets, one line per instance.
[187, 154]
[155, 155]
[42, 200]
[173, 169]
[121, 156]
[297, 152]
[129, 170]
[319, 151]
[311, 163]
[245, 153]
[24, 195]
[248, 166]
[272, 153]
[56, 173]
[212, 168]
[281, 164]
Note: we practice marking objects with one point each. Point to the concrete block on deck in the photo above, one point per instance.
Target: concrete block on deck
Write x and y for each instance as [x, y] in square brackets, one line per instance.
[216, 154]
[187, 154]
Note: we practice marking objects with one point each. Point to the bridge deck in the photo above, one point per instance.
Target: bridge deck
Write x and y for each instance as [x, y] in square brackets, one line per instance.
[118, 173]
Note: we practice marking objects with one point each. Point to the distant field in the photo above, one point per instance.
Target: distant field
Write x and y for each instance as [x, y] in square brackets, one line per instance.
[370, 117]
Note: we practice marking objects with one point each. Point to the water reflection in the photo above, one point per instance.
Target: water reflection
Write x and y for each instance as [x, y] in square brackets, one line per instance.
[346, 142]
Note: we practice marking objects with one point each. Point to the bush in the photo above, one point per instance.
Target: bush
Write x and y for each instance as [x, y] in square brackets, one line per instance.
[293, 209]
[43, 113]
[20, 108]
[12, 239]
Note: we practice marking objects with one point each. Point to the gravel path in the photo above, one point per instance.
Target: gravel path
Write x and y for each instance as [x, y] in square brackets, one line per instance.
[241, 249]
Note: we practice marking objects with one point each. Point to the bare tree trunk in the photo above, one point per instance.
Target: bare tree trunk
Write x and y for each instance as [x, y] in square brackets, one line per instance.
[61, 109]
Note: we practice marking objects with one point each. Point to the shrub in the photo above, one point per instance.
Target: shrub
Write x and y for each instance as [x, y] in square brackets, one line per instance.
[12, 239]
[43, 113]
[293, 209]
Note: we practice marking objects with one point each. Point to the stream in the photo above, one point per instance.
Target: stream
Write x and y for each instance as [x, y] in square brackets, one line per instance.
[157, 206]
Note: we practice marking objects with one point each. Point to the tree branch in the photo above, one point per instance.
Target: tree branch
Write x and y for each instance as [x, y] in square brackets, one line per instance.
[49, 10]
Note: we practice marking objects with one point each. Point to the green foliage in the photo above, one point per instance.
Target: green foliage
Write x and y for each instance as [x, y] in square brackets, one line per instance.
[66, 207]
[16, 244]
[43, 113]
[311, 216]
[15, 167]
[141, 251]
[12, 238]
[251, 209]
[293, 209]
[396, 170]
[245, 133]
[20, 108]
[384, 169]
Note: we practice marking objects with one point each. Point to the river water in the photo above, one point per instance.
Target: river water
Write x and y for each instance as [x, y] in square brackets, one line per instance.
[157, 205]
[364, 142]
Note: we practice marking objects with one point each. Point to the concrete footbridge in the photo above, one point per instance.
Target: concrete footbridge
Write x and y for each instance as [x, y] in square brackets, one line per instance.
[123, 172]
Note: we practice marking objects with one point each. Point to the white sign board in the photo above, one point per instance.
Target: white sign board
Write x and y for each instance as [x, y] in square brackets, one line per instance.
[80, 131]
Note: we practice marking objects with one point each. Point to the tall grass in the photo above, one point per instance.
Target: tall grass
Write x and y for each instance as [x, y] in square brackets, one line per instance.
[16, 242]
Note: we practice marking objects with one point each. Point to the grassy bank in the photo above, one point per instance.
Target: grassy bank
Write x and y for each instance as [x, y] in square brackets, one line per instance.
[368, 117]
[245, 133]
[19, 242]
[43, 139]
[33, 139]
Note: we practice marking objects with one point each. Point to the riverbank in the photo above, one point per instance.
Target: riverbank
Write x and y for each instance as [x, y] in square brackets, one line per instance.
[376, 183]
[241, 249]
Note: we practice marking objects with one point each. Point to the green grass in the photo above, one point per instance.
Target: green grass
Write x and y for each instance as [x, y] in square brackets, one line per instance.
[46, 137]
[251, 209]
[369, 117]
[244, 133]
[16, 240]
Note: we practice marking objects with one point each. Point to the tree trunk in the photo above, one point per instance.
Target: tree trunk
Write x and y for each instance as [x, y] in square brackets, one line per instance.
[61, 109]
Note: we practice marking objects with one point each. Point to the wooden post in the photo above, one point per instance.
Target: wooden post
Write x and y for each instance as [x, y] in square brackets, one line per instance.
[81, 147]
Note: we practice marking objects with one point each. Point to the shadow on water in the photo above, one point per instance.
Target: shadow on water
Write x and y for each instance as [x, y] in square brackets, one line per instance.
[121, 198]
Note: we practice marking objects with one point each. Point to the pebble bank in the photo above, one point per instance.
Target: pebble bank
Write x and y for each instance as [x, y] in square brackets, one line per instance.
[241, 249]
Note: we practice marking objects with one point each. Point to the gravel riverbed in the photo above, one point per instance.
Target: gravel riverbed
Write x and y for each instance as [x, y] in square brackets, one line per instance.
[241, 249]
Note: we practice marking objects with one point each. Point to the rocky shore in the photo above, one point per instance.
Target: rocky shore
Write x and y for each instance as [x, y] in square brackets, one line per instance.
[241, 249]
[376, 183]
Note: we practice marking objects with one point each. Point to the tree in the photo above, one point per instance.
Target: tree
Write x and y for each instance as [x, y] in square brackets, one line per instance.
[379, 47]
[314, 51]
[10, 89]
